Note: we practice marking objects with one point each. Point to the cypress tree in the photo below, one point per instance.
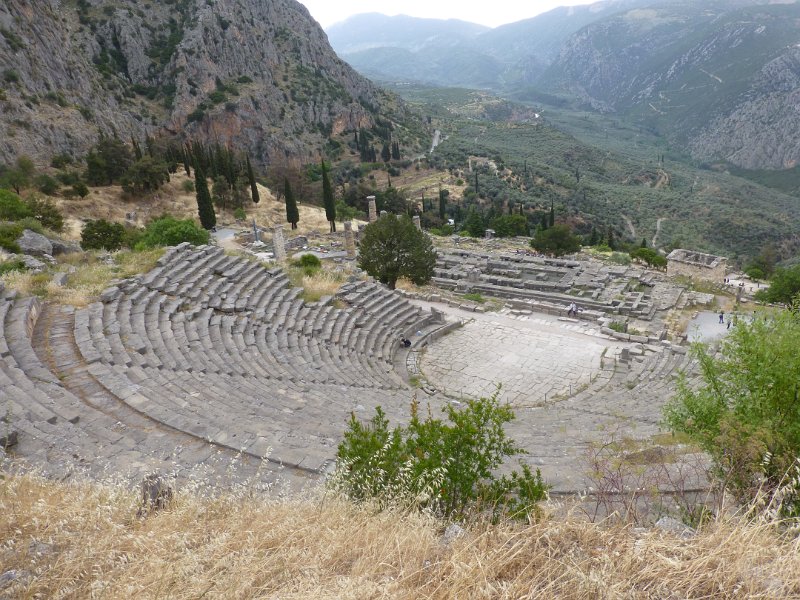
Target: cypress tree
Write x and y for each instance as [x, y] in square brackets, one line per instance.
[552, 215]
[208, 219]
[385, 153]
[292, 213]
[544, 221]
[327, 198]
[477, 187]
[253, 187]
[443, 204]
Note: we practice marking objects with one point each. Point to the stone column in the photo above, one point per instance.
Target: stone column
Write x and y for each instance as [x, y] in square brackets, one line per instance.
[349, 239]
[278, 243]
[417, 223]
[373, 210]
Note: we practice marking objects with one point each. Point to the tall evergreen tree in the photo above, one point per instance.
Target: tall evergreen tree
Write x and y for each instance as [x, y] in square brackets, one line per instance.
[552, 220]
[443, 203]
[385, 153]
[327, 198]
[251, 178]
[292, 213]
[477, 187]
[208, 219]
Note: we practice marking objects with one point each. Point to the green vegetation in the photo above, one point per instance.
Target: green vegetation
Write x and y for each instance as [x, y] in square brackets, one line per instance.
[11, 265]
[783, 287]
[205, 208]
[12, 207]
[747, 414]
[145, 175]
[102, 235]
[557, 241]
[475, 297]
[328, 200]
[392, 247]
[446, 468]
[292, 213]
[169, 231]
[650, 257]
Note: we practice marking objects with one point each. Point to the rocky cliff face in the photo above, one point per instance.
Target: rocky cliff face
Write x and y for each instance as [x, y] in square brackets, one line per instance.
[718, 77]
[259, 74]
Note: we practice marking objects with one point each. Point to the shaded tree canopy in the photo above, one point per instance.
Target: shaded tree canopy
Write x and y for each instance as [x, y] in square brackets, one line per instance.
[392, 247]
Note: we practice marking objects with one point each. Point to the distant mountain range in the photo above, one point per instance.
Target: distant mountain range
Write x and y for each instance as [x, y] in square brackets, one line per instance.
[720, 78]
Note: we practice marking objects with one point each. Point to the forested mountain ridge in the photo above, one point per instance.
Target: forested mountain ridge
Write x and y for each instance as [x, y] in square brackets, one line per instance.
[720, 79]
[258, 75]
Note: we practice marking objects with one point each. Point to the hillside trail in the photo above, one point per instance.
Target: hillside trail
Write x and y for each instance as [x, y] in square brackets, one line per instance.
[654, 242]
[630, 225]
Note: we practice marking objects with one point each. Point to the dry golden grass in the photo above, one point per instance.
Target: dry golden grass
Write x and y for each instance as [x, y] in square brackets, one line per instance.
[90, 278]
[321, 282]
[86, 541]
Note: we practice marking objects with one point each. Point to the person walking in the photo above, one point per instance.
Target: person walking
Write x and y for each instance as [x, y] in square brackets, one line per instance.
[721, 317]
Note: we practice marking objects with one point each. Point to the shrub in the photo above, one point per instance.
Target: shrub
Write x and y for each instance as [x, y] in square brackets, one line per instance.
[9, 233]
[169, 231]
[47, 184]
[445, 468]
[784, 286]
[188, 186]
[80, 189]
[44, 211]
[239, 214]
[11, 265]
[102, 235]
[309, 261]
[557, 241]
[745, 414]
[12, 207]
[59, 161]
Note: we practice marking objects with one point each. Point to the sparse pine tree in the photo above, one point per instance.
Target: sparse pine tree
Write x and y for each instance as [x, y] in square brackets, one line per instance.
[327, 198]
[205, 209]
[251, 178]
[292, 213]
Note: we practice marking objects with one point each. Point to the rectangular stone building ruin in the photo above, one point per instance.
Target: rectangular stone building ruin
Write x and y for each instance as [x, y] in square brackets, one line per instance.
[697, 265]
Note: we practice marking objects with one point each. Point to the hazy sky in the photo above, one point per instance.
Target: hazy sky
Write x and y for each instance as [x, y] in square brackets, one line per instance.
[492, 13]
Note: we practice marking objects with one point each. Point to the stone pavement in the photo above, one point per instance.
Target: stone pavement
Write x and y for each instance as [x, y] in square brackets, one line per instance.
[533, 355]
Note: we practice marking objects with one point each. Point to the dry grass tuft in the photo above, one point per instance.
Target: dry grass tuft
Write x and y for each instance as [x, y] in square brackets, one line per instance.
[322, 283]
[82, 541]
[90, 277]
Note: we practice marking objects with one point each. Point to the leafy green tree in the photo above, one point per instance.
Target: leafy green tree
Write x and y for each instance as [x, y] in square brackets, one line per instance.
[392, 247]
[205, 208]
[19, 176]
[447, 467]
[47, 184]
[107, 162]
[169, 231]
[474, 225]
[292, 212]
[509, 225]
[783, 287]
[144, 176]
[556, 240]
[327, 198]
[393, 200]
[102, 235]
[251, 179]
[746, 413]
[650, 257]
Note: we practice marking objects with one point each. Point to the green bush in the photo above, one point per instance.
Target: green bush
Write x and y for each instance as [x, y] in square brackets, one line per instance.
[47, 184]
[309, 260]
[80, 189]
[11, 265]
[447, 468]
[169, 231]
[59, 161]
[783, 287]
[102, 235]
[557, 241]
[188, 186]
[44, 211]
[12, 207]
[9, 233]
[239, 214]
[746, 414]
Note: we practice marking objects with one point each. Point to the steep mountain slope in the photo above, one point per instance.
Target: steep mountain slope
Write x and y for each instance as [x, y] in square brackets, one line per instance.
[481, 57]
[712, 76]
[258, 74]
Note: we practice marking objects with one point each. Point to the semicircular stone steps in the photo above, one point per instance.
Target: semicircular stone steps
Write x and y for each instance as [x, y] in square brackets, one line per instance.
[207, 355]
